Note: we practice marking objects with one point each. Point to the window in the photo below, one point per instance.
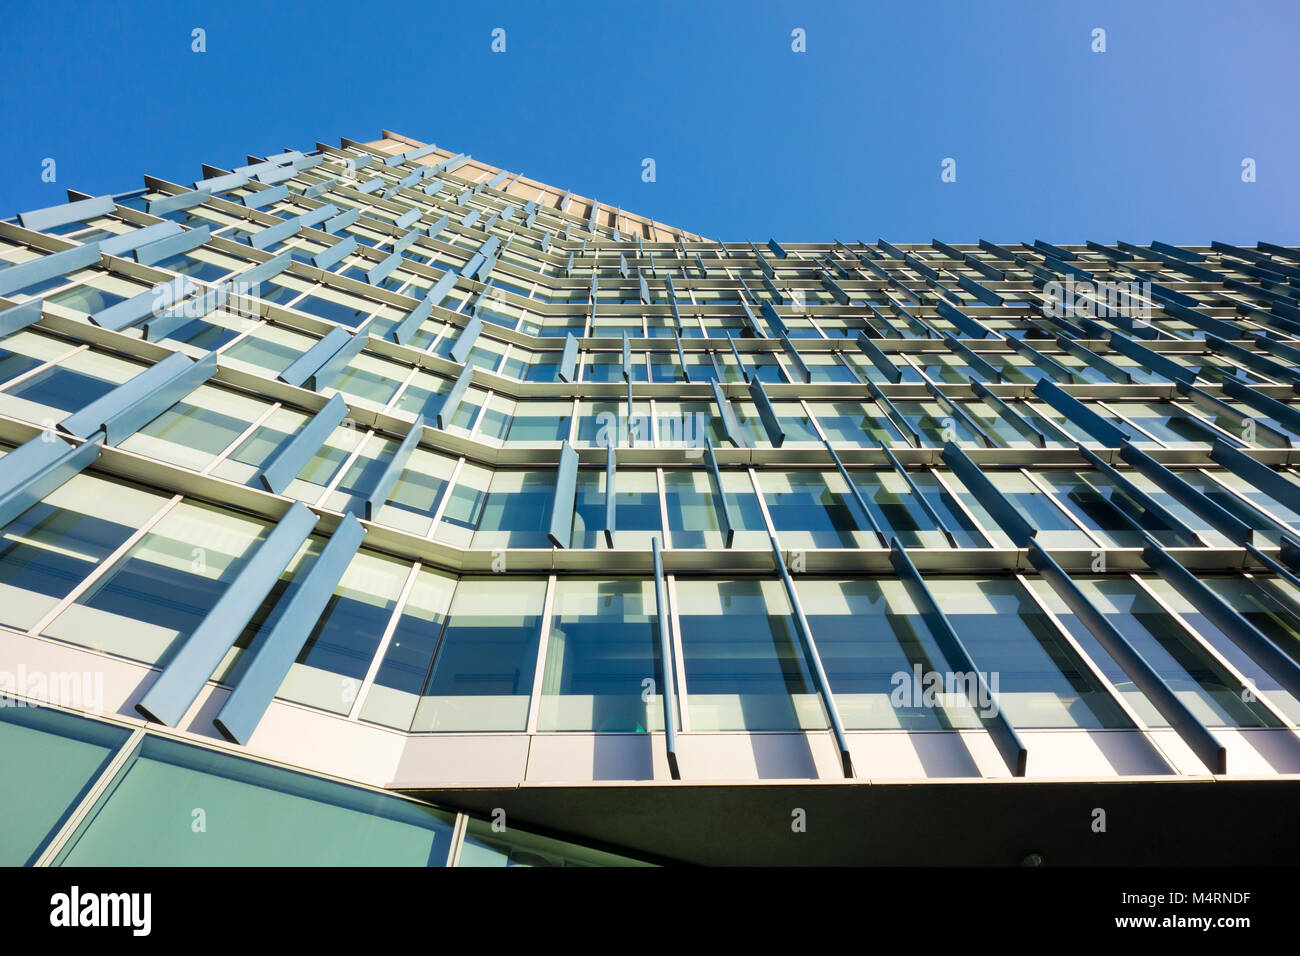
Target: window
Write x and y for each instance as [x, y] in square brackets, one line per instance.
[51, 760]
[875, 647]
[154, 597]
[259, 816]
[336, 657]
[746, 668]
[51, 548]
[1040, 680]
[603, 671]
[481, 678]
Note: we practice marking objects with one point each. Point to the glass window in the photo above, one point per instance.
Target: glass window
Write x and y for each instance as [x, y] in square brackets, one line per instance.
[336, 657]
[368, 381]
[856, 423]
[694, 515]
[159, 592]
[516, 511]
[51, 548]
[197, 428]
[482, 673]
[405, 668]
[813, 509]
[880, 656]
[262, 446]
[746, 668]
[51, 759]
[603, 670]
[254, 814]
[71, 385]
[1259, 607]
[1038, 680]
[418, 492]
[896, 510]
[1107, 510]
[1207, 687]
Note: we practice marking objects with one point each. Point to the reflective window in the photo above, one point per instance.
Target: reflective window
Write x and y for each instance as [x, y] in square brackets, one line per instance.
[602, 670]
[53, 546]
[746, 668]
[482, 673]
[1040, 680]
[51, 759]
[255, 814]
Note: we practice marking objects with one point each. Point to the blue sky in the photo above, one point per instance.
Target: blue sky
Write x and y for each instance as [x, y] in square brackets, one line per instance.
[750, 139]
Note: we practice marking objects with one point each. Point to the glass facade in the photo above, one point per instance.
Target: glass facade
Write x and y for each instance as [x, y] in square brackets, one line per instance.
[861, 466]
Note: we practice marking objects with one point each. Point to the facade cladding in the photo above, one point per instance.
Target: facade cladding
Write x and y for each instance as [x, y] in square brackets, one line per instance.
[378, 500]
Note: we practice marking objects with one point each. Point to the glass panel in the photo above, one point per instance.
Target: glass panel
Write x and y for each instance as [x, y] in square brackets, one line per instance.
[196, 429]
[396, 692]
[253, 814]
[334, 661]
[482, 674]
[50, 548]
[602, 670]
[878, 652]
[812, 509]
[1200, 681]
[517, 510]
[155, 596]
[51, 759]
[1031, 670]
[746, 668]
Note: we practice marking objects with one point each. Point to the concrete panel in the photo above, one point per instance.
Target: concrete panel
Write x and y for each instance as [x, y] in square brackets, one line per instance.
[904, 755]
[740, 756]
[561, 758]
[461, 760]
[1091, 753]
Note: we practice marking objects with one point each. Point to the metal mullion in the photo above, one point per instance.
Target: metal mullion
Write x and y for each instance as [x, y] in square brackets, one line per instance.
[458, 831]
[663, 506]
[762, 502]
[446, 497]
[240, 438]
[803, 403]
[679, 655]
[482, 413]
[343, 469]
[385, 638]
[543, 642]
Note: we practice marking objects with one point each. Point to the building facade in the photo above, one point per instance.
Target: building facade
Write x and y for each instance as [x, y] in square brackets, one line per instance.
[376, 504]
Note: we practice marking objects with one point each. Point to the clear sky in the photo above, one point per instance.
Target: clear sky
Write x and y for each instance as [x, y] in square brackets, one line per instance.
[749, 138]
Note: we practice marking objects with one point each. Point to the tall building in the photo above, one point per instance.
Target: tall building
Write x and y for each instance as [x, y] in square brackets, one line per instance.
[373, 504]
